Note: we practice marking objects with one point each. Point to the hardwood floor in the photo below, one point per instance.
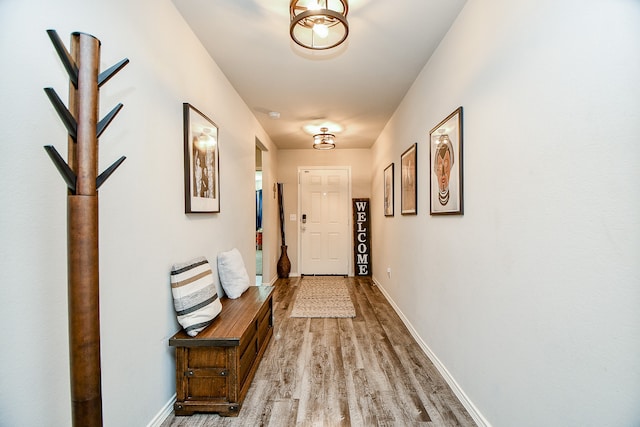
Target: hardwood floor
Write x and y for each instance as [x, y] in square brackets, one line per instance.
[365, 371]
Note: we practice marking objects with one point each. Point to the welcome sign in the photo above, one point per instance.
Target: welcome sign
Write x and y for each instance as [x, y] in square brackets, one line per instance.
[361, 237]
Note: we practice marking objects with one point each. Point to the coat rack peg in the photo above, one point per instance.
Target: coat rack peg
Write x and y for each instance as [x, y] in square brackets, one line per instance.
[107, 74]
[107, 173]
[64, 114]
[65, 57]
[102, 125]
[67, 174]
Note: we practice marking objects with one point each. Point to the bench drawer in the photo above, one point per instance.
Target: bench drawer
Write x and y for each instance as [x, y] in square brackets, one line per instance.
[265, 324]
[206, 373]
[248, 351]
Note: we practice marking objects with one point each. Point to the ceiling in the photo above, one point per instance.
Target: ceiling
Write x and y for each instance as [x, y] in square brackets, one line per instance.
[357, 85]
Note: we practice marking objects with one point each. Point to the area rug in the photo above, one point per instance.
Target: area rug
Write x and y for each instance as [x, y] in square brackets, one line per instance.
[323, 296]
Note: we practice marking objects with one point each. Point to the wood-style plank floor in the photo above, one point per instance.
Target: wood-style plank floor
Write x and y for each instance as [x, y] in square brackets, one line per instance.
[365, 371]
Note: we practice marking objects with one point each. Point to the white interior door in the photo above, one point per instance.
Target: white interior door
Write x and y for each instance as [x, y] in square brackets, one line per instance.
[324, 221]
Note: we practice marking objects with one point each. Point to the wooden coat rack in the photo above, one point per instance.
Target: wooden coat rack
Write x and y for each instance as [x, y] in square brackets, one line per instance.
[80, 174]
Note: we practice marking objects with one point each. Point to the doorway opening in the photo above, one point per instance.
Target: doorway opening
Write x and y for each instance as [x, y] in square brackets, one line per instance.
[259, 230]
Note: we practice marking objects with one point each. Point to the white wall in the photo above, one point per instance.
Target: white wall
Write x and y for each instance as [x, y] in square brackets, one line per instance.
[143, 228]
[359, 160]
[531, 299]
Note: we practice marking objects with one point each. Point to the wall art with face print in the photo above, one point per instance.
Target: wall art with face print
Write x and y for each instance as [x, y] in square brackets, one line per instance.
[445, 148]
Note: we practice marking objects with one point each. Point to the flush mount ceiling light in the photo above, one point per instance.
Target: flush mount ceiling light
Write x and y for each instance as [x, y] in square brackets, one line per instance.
[316, 126]
[319, 24]
[324, 140]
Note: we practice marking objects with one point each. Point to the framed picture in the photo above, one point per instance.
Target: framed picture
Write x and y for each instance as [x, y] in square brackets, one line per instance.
[445, 143]
[201, 162]
[409, 181]
[388, 190]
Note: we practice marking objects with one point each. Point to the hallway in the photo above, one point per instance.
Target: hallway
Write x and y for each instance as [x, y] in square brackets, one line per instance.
[365, 371]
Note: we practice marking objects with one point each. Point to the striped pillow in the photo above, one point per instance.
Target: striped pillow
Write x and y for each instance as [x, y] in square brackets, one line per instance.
[195, 297]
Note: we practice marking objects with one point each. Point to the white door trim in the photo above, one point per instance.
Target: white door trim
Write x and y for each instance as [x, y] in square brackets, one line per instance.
[299, 208]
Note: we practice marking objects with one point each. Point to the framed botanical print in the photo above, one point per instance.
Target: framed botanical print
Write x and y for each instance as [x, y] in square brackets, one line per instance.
[445, 153]
[388, 190]
[201, 162]
[409, 181]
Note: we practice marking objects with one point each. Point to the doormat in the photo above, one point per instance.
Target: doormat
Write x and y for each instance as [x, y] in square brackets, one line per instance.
[323, 297]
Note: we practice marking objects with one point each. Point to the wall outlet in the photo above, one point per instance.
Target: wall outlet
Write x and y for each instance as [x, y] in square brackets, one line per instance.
[389, 272]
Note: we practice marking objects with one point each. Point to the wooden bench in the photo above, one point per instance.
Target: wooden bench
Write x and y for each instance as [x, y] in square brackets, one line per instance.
[214, 369]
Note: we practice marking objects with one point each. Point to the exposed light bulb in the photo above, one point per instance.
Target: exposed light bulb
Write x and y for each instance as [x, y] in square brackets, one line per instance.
[314, 6]
[321, 30]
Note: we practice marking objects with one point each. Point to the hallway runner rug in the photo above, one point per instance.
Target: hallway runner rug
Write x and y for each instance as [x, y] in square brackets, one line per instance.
[323, 297]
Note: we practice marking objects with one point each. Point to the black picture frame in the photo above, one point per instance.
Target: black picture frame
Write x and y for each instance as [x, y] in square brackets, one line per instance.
[409, 181]
[445, 164]
[201, 162]
[388, 185]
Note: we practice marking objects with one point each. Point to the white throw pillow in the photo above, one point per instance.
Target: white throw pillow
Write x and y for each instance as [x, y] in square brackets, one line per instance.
[195, 297]
[233, 274]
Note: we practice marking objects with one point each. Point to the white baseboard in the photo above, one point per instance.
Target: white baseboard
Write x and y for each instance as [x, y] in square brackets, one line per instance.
[480, 420]
[163, 414]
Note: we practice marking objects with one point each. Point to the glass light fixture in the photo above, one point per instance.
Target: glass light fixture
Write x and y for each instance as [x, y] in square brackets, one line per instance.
[324, 140]
[319, 24]
[314, 127]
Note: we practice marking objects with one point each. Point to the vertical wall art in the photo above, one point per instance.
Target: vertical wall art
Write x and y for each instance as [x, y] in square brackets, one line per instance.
[445, 144]
[201, 162]
[409, 181]
[388, 190]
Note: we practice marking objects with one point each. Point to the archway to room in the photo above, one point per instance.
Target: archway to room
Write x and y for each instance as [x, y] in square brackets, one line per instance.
[259, 211]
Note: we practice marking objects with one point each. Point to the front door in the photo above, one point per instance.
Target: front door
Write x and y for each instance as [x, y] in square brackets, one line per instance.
[324, 221]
